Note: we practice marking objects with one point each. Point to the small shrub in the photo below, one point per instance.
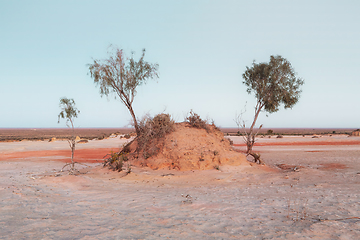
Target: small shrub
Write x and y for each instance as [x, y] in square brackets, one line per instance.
[115, 160]
[279, 136]
[270, 132]
[151, 131]
[195, 121]
[201, 158]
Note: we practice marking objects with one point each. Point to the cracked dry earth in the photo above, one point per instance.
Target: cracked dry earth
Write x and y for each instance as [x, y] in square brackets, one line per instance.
[305, 192]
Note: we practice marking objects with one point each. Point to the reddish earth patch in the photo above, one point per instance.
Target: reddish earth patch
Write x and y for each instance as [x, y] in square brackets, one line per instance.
[332, 166]
[287, 167]
[81, 155]
[354, 142]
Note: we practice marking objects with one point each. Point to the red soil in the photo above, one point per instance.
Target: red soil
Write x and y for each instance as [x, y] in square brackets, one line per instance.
[81, 155]
[97, 154]
[333, 166]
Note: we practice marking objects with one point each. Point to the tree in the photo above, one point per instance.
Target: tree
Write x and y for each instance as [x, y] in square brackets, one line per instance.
[121, 75]
[69, 112]
[273, 84]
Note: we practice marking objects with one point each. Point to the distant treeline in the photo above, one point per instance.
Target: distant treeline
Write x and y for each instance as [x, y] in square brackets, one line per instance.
[43, 134]
[290, 131]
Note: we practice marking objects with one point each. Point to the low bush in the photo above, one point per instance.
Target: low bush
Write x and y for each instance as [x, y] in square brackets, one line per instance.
[195, 121]
[151, 131]
[116, 160]
[149, 142]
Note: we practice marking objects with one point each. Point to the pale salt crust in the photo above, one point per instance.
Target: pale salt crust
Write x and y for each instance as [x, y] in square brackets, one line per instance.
[319, 200]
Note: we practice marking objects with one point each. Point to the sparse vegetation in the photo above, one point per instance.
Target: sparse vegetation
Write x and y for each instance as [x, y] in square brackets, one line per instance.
[270, 132]
[152, 130]
[69, 112]
[194, 120]
[273, 83]
[116, 161]
[201, 158]
[149, 140]
[122, 75]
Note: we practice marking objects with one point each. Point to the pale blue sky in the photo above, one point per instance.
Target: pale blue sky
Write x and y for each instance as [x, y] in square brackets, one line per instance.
[202, 47]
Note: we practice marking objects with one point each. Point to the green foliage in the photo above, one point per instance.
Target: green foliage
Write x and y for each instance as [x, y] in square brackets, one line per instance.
[68, 110]
[270, 132]
[195, 121]
[273, 83]
[116, 160]
[122, 75]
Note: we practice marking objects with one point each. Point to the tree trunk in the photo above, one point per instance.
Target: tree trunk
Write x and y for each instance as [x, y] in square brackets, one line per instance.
[72, 145]
[251, 137]
[249, 145]
[72, 152]
[137, 130]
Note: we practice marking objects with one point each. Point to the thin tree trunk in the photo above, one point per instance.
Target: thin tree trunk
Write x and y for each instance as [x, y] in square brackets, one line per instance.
[72, 152]
[134, 119]
[251, 137]
[250, 141]
[72, 145]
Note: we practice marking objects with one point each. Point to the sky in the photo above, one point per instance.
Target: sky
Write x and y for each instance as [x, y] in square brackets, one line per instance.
[202, 48]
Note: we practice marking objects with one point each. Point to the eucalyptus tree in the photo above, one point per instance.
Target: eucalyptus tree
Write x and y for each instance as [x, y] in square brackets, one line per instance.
[274, 84]
[69, 112]
[122, 75]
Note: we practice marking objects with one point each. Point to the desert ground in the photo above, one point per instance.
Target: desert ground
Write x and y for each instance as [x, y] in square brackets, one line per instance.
[308, 189]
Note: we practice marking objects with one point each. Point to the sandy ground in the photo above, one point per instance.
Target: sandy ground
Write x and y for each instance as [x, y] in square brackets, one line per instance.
[314, 194]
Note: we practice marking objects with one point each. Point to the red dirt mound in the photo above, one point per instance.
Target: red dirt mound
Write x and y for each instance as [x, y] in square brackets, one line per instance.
[189, 148]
